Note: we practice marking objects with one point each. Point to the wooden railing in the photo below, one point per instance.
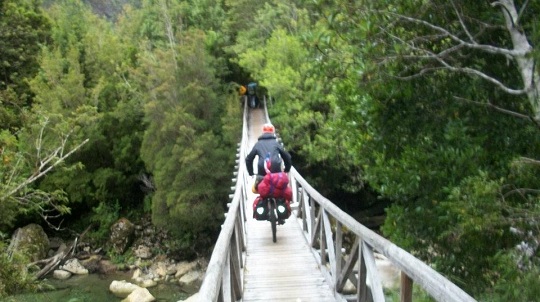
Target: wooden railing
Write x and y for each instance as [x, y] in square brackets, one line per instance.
[323, 225]
[223, 278]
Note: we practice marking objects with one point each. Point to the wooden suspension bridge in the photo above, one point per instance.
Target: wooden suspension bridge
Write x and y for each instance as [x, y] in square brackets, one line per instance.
[311, 260]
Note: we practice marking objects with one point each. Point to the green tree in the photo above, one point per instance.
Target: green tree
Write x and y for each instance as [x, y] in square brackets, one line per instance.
[282, 50]
[183, 145]
[429, 104]
[23, 29]
[85, 77]
[425, 138]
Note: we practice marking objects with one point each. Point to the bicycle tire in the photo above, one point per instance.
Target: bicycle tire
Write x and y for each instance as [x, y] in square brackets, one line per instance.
[273, 219]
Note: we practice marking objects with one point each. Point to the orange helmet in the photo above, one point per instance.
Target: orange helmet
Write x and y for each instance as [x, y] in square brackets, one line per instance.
[268, 128]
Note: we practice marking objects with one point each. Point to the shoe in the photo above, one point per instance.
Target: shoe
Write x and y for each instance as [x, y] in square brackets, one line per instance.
[281, 221]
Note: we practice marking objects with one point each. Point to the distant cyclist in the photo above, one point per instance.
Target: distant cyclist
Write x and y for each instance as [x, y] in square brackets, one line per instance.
[253, 99]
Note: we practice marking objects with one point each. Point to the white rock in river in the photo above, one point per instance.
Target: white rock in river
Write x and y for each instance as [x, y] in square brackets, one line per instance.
[73, 266]
[61, 274]
[122, 288]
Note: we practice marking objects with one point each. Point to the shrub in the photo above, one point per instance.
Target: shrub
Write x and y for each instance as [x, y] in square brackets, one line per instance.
[14, 275]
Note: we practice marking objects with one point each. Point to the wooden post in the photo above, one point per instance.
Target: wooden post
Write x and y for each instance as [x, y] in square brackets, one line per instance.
[348, 270]
[406, 288]
[226, 281]
[322, 236]
[361, 286]
[303, 207]
[339, 256]
[235, 270]
[375, 289]
[312, 207]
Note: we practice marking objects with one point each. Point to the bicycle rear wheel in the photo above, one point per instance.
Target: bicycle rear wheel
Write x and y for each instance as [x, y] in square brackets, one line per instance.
[273, 218]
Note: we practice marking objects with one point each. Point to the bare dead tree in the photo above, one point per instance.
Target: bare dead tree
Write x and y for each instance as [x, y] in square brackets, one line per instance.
[169, 29]
[458, 41]
[15, 187]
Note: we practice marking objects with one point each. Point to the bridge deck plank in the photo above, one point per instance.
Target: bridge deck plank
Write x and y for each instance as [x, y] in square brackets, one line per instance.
[281, 271]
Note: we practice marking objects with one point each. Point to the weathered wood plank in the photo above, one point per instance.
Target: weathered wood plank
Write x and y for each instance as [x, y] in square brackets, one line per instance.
[329, 238]
[281, 271]
[376, 284]
[235, 270]
[339, 256]
[226, 283]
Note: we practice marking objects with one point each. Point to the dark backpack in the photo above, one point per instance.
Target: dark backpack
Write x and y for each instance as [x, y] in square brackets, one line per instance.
[260, 208]
[251, 88]
[272, 162]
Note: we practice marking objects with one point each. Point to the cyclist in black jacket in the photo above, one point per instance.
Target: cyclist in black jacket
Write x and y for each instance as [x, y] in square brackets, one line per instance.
[268, 146]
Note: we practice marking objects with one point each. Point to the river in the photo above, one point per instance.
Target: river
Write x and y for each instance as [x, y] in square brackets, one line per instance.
[95, 288]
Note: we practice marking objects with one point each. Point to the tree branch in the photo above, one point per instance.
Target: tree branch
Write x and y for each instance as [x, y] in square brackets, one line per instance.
[428, 55]
[465, 29]
[473, 45]
[43, 169]
[527, 160]
[502, 110]
[61, 254]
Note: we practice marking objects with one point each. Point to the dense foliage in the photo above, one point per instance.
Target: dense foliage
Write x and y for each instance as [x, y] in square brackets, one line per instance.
[109, 116]
[425, 103]
[431, 106]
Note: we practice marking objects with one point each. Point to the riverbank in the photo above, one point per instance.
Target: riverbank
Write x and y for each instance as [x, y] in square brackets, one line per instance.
[95, 287]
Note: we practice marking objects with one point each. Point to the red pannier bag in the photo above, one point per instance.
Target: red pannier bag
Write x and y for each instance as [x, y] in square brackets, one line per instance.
[275, 185]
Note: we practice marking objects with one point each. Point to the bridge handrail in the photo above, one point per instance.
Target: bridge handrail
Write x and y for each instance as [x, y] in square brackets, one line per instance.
[330, 241]
[223, 278]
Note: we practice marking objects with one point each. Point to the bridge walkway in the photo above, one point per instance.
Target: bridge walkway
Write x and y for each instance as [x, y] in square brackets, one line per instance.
[285, 270]
[314, 258]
